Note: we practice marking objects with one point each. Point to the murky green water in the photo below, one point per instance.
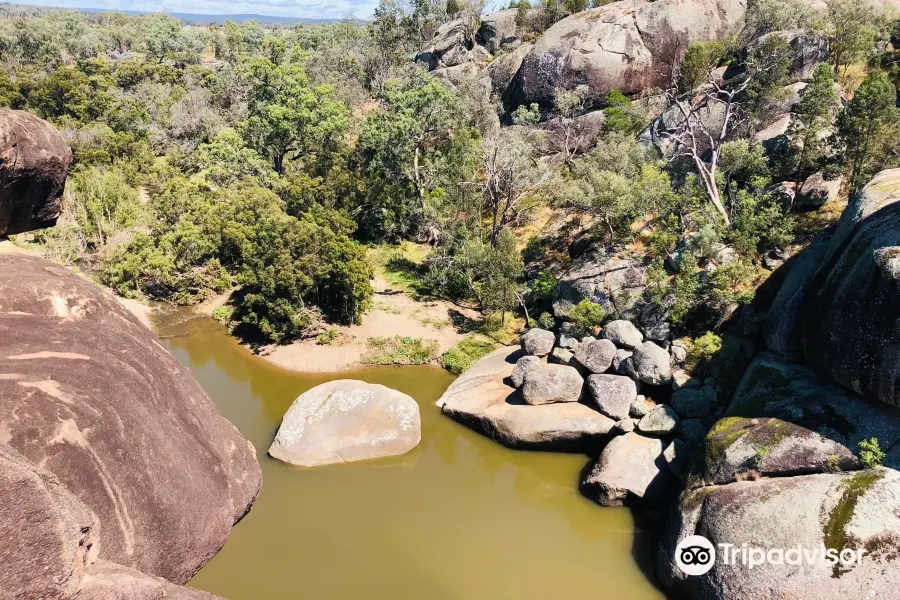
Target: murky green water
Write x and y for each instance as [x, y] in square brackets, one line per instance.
[457, 518]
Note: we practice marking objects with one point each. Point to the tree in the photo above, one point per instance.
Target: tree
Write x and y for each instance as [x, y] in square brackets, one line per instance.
[811, 120]
[852, 28]
[288, 118]
[868, 127]
[708, 113]
[512, 173]
[567, 134]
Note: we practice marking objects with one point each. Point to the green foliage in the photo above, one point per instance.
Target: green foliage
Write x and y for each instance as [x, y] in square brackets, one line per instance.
[400, 351]
[867, 129]
[852, 28]
[544, 287]
[288, 117]
[699, 59]
[327, 337]
[223, 314]
[766, 16]
[812, 118]
[103, 203]
[463, 355]
[621, 115]
[686, 289]
[870, 453]
[546, 321]
[706, 346]
[587, 315]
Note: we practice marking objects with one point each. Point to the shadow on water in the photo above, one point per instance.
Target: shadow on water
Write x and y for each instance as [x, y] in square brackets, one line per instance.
[459, 517]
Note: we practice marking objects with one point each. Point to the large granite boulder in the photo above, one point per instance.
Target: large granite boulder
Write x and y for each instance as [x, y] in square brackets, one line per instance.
[613, 394]
[552, 383]
[784, 420]
[451, 46]
[499, 30]
[652, 364]
[629, 46]
[537, 342]
[856, 510]
[817, 191]
[631, 470]
[482, 399]
[596, 356]
[89, 394]
[347, 420]
[34, 162]
[49, 536]
[623, 334]
[850, 326]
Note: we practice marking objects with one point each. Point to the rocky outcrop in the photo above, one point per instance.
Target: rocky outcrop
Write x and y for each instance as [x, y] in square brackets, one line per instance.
[807, 51]
[499, 30]
[34, 162]
[451, 46]
[89, 394]
[623, 334]
[614, 281]
[854, 510]
[613, 394]
[596, 356]
[848, 327]
[784, 421]
[49, 536]
[549, 384]
[503, 69]
[110, 581]
[483, 399]
[345, 421]
[537, 342]
[626, 46]
[651, 364]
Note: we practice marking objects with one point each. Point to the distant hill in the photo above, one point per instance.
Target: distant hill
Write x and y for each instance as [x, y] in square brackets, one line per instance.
[201, 19]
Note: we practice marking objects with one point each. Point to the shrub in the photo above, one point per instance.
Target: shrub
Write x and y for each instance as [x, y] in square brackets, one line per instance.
[400, 350]
[587, 315]
[702, 349]
[544, 287]
[460, 357]
[223, 314]
[327, 337]
[546, 321]
[870, 453]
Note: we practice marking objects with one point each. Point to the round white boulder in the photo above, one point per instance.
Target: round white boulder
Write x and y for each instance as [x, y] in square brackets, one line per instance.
[345, 421]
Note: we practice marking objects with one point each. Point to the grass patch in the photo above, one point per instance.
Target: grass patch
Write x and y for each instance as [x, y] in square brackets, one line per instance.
[499, 329]
[388, 308]
[402, 266]
[400, 350]
[332, 337]
[463, 355]
[224, 314]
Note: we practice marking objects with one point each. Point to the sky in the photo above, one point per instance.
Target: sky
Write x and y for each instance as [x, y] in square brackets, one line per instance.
[315, 9]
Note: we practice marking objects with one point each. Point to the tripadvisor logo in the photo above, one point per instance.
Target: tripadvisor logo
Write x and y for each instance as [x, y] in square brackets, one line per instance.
[696, 555]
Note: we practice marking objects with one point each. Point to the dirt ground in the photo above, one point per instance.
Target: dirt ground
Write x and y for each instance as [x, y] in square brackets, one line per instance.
[393, 313]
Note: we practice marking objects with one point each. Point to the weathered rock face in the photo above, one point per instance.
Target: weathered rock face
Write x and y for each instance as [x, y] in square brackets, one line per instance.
[626, 46]
[503, 69]
[850, 326]
[780, 327]
[807, 51]
[661, 420]
[110, 581]
[631, 470]
[49, 536]
[523, 365]
[552, 383]
[345, 421]
[34, 162]
[784, 420]
[613, 281]
[88, 393]
[853, 510]
[481, 399]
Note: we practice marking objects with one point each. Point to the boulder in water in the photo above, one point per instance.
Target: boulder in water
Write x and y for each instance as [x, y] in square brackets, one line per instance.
[345, 421]
[631, 469]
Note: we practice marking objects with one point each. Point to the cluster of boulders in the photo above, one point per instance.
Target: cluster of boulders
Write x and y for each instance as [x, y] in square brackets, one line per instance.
[620, 397]
[629, 46]
[119, 478]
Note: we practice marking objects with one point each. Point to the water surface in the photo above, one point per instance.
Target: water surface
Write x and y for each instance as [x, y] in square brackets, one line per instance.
[459, 517]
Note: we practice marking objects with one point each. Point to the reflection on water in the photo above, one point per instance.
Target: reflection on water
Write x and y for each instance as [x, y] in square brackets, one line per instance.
[459, 517]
